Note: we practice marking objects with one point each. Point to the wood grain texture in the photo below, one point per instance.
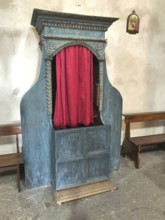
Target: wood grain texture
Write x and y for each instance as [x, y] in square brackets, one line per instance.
[83, 191]
[144, 116]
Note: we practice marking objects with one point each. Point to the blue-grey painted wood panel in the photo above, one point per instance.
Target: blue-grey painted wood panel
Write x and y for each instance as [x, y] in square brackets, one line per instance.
[38, 141]
[82, 155]
[112, 115]
[50, 156]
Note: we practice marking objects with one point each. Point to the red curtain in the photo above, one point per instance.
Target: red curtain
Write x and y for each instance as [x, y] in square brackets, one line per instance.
[74, 87]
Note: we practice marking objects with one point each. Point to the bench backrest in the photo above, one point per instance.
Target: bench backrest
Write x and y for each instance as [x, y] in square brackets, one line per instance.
[146, 116]
[10, 129]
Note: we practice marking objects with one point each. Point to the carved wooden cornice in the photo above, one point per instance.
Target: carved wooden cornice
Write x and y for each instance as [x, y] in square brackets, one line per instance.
[42, 18]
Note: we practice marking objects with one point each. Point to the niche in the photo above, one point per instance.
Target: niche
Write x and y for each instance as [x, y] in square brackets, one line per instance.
[95, 87]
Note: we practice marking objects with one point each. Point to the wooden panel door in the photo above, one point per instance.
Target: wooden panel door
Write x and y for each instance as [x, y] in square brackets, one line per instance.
[82, 156]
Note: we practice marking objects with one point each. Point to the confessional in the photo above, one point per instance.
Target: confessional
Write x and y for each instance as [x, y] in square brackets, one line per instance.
[69, 157]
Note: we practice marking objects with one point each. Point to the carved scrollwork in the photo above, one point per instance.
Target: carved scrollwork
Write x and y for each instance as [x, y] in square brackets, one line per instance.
[74, 25]
[101, 78]
[49, 86]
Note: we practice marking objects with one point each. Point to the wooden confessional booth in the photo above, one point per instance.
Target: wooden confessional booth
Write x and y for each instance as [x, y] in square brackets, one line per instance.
[71, 118]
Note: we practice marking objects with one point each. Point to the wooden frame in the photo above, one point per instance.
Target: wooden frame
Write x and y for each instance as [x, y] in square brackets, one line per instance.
[133, 23]
[132, 146]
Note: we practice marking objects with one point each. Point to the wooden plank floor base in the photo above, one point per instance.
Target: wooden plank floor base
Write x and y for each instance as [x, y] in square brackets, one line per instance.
[66, 195]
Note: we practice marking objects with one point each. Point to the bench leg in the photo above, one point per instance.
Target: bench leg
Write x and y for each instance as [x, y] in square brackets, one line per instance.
[123, 152]
[137, 159]
[162, 146]
[126, 148]
[18, 178]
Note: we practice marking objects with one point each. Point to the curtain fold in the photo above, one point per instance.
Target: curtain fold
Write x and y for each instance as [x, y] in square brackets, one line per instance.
[74, 87]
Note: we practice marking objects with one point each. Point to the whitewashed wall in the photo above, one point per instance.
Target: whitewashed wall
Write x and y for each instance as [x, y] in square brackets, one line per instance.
[135, 62]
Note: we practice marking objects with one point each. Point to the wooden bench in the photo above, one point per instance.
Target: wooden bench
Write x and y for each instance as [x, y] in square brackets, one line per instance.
[13, 159]
[132, 146]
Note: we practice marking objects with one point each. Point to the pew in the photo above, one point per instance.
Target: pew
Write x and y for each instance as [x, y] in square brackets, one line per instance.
[12, 159]
[132, 146]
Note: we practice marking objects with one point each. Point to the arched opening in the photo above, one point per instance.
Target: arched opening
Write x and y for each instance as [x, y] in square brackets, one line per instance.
[87, 73]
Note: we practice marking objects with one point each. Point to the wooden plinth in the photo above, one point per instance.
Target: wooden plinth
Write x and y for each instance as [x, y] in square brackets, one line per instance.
[66, 195]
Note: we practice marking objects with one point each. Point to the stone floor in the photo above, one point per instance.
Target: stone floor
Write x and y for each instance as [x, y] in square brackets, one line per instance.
[140, 196]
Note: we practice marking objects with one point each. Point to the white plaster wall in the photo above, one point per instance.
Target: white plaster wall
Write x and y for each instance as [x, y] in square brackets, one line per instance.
[135, 62]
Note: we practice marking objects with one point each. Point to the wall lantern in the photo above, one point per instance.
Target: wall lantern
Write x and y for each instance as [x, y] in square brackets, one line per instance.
[133, 23]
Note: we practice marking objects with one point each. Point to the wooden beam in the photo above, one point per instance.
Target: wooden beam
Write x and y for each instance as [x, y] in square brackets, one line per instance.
[83, 191]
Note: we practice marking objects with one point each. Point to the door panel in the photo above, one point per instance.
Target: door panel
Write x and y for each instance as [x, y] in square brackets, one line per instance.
[82, 155]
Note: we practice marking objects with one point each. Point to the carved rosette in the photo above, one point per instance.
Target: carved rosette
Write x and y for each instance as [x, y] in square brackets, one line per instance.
[97, 48]
[50, 47]
[53, 46]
